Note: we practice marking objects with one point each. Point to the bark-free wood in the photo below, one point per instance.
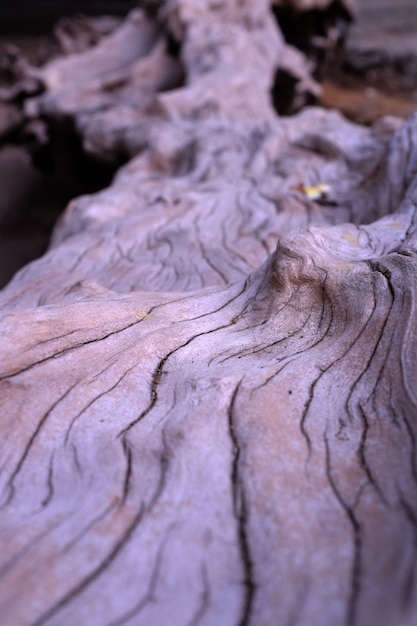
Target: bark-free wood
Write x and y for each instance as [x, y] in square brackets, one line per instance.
[208, 383]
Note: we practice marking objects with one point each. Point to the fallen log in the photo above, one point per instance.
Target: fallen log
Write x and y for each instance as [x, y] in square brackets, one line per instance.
[208, 382]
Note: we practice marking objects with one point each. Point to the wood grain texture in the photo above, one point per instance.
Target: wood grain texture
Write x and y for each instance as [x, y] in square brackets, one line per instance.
[208, 383]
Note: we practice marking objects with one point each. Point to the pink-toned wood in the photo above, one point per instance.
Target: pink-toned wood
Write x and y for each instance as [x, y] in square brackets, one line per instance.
[208, 383]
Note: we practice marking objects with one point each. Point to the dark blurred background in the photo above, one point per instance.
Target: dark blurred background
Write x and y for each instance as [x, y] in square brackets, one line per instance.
[39, 15]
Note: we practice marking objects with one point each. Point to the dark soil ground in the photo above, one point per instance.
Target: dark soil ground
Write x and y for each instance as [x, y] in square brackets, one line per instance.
[377, 73]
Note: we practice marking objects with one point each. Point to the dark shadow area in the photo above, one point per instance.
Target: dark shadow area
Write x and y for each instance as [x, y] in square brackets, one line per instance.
[37, 17]
[320, 34]
[33, 197]
[284, 94]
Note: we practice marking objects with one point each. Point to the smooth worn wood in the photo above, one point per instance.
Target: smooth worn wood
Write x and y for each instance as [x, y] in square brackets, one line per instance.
[208, 383]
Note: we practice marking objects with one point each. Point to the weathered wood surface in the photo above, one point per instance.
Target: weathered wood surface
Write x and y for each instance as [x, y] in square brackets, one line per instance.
[208, 383]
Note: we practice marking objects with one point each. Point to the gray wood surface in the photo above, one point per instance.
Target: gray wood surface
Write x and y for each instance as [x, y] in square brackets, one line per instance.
[208, 383]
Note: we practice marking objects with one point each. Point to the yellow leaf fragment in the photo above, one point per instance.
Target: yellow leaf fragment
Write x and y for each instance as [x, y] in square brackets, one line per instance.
[314, 192]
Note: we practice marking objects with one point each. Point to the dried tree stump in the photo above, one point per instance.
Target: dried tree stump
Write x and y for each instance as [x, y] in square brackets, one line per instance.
[208, 383]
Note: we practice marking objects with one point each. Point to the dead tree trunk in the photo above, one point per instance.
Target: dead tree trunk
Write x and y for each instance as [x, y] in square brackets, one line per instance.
[208, 383]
